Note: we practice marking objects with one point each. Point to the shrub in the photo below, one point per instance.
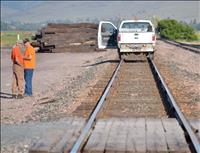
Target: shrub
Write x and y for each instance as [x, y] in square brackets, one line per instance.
[172, 29]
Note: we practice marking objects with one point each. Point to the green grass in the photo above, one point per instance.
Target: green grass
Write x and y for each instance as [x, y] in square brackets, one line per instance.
[8, 38]
[198, 34]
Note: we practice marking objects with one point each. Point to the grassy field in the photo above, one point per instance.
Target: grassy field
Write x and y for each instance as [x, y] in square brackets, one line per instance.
[198, 34]
[8, 38]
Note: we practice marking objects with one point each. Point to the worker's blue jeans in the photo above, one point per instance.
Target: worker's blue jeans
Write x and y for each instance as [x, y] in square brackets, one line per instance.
[28, 75]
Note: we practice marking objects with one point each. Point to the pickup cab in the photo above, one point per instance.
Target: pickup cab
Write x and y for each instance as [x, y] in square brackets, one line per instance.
[132, 36]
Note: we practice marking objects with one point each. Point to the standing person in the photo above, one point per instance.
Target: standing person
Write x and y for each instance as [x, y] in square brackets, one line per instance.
[29, 66]
[18, 70]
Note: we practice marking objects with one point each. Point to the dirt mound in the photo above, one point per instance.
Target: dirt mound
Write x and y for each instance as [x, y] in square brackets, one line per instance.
[79, 37]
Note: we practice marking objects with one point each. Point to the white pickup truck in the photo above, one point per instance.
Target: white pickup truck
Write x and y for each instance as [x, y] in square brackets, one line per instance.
[133, 36]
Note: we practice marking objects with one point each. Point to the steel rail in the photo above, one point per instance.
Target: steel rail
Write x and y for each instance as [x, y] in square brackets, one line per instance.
[179, 115]
[92, 118]
[190, 48]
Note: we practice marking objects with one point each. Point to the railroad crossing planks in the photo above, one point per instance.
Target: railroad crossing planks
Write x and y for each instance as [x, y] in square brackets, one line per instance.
[128, 135]
[98, 140]
[116, 137]
[136, 135]
[155, 137]
[59, 140]
[174, 136]
[139, 135]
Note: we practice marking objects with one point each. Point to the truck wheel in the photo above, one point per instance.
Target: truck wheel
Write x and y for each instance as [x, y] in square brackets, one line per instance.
[119, 54]
[122, 56]
[151, 56]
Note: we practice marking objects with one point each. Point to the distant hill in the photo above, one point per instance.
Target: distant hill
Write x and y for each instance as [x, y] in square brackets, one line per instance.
[40, 11]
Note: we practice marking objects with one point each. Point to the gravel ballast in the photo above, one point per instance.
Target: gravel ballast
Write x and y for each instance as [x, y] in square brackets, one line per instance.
[60, 80]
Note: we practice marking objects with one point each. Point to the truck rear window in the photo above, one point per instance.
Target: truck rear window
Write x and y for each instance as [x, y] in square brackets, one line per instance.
[137, 26]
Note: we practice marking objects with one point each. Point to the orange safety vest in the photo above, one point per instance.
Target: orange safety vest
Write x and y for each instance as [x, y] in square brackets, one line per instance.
[16, 54]
[29, 64]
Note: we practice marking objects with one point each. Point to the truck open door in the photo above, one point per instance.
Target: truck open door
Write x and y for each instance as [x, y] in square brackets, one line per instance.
[107, 35]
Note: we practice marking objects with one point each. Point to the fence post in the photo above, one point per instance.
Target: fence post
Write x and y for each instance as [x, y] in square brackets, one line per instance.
[17, 36]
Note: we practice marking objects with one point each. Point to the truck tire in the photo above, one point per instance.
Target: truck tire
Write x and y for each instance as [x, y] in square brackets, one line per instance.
[119, 54]
[151, 56]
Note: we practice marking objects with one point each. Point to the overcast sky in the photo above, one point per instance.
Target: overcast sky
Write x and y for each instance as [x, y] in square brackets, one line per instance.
[39, 11]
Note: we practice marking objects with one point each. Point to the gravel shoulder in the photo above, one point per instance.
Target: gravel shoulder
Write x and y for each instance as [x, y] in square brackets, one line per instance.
[181, 71]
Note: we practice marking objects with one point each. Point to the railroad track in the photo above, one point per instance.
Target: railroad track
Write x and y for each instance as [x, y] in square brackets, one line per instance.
[190, 47]
[135, 113]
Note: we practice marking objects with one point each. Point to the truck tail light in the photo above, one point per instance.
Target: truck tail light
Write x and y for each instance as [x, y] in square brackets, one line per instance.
[153, 38]
[118, 38]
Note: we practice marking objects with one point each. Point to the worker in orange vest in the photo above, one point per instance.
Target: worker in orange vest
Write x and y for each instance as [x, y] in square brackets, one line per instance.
[29, 66]
[18, 70]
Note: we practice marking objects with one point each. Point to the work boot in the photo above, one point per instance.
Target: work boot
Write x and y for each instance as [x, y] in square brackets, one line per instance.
[20, 96]
[14, 96]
